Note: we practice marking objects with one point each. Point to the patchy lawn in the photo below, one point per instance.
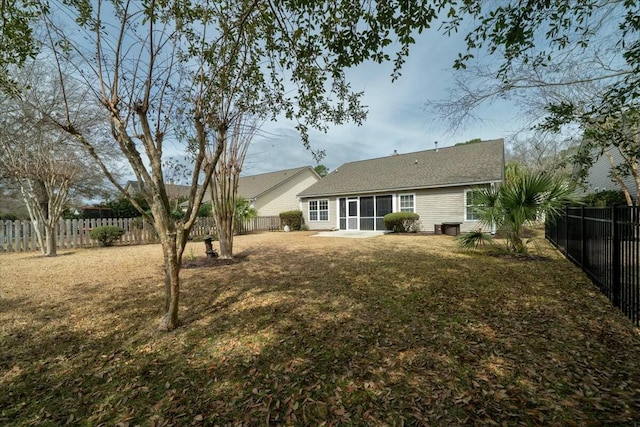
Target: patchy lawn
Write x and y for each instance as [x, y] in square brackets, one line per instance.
[304, 330]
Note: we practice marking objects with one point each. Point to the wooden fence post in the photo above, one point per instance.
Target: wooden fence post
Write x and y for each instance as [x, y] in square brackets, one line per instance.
[25, 236]
[16, 233]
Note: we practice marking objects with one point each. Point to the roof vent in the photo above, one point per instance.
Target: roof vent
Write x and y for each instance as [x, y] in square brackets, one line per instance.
[395, 152]
[436, 143]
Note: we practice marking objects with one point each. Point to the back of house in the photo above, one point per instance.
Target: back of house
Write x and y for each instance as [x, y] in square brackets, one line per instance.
[436, 184]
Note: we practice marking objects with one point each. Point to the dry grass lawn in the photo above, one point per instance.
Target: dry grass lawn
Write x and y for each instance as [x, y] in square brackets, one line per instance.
[302, 330]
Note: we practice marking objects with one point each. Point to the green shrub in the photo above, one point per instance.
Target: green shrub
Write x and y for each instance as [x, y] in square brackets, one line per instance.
[474, 240]
[8, 217]
[106, 234]
[291, 218]
[401, 222]
[123, 208]
[177, 214]
[205, 210]
[605, 198]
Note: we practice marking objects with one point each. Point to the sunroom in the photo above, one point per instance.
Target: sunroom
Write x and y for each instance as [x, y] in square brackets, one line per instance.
[366, 213]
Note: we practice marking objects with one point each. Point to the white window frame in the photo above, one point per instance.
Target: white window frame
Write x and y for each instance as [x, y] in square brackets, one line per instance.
[413, 198]
[318, 210]
[467, 205]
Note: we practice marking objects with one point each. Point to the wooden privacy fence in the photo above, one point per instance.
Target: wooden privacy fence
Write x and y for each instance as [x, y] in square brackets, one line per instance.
[261, 223]
[605, 243]
[17, 236]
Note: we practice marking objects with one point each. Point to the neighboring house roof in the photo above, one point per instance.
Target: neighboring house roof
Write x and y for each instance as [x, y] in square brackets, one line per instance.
[465, 164]
[132, 187]
[174, 191]
[252, 187]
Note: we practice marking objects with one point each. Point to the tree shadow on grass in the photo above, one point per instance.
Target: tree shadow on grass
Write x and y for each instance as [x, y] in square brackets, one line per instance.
[352, 336]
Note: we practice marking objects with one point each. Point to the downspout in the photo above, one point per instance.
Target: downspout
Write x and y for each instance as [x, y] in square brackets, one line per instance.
[493, 224]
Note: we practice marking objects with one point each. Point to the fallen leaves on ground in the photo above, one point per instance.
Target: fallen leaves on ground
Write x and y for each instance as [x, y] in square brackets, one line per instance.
[301, 330]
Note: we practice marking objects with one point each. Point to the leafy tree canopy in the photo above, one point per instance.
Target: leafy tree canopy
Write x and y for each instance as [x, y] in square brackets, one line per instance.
[321, 170]
[471, 141]
[123, 208]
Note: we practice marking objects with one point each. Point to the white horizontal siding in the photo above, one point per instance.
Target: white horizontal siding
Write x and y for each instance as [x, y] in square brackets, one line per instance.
[321, 225]
[599, 178]
[436, 206]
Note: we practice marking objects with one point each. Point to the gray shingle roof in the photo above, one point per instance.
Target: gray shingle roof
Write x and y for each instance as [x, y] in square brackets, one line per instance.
[251, 187]
[457, 165]
[174, 191]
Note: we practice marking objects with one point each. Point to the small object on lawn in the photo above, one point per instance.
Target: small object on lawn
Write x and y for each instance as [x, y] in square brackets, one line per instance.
[287, 229]
[211, 253]
[450, 228]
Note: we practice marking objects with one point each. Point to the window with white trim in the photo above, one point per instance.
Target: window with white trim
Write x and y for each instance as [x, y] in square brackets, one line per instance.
[407, 203]
[471, 203]
[318, 210]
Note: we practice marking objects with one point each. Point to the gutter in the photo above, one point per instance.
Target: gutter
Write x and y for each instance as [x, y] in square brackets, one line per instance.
[397, 189]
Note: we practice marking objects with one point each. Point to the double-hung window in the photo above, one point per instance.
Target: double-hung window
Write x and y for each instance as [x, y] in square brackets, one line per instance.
[318, 210]
[407, 203]
[471, 202]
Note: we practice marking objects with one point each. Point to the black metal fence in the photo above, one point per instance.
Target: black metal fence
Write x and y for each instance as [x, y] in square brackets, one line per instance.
[605, 243]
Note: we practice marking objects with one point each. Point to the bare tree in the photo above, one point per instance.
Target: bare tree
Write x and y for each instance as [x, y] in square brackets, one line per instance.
[543, 151]
[224, 181]
[45, 173]
[47, 164]
[536, 57]
[571, 78]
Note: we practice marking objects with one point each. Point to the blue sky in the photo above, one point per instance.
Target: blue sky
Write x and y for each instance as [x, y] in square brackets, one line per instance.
[396, 119]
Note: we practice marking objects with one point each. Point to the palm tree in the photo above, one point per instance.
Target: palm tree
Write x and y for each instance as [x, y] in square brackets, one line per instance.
[244, 212]
[526, 196]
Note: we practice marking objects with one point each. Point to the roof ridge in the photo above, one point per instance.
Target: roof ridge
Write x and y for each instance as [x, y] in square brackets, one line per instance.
[461, 165]
[278, 171]
[457, 146]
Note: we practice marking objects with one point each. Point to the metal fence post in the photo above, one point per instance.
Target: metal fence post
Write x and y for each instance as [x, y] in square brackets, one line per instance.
[583, 237]
[615, 261]
[566, 230]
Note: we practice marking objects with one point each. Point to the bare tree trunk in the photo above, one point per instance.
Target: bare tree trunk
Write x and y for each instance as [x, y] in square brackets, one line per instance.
[50, 239]
[170, 251]
[172, 290]
[35, 222]
[225, 236]
[38, 230]
[224, 216]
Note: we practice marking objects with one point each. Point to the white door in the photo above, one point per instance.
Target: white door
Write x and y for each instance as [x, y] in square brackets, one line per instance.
[352, 214]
